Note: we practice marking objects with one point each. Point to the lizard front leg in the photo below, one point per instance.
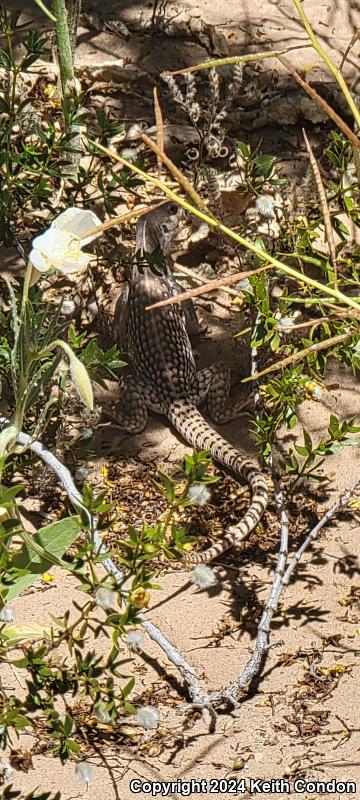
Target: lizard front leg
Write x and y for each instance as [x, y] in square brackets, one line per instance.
[213, 384]
[120, 322]
[194, 326]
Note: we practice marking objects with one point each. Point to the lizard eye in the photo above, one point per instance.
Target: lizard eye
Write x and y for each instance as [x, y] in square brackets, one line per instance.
[173, 209]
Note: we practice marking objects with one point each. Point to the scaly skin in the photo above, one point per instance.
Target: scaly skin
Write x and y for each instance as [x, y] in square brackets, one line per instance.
[165, 378]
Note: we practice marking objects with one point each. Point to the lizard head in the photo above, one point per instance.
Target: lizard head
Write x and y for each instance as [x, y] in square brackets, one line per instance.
[158, 228]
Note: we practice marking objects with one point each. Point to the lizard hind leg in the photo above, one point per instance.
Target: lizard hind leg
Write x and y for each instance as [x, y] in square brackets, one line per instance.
[213, 383]
[131, 413]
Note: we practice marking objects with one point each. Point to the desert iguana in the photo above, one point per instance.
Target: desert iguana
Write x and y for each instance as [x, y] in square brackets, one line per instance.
[164, 377]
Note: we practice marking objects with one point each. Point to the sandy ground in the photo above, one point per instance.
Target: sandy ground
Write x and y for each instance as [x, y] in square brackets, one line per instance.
[297, 721]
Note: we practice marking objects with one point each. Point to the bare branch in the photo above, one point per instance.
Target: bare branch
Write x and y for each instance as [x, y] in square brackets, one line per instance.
[179, 177]
[208, 287]
[159, 128]
[353, 40]
[325, 209]
[333, 340]
[322, 103]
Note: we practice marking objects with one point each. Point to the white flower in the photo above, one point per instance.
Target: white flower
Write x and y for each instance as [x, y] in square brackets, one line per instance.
[147, 717]
[86, 433]
[285, 324]
[202, 576]
[6, 770]
[264, 205]
[60, 246]
[83, 772]
[7, 614]
[68, 307]
[105, 598]
[199, 495]
[244, 285]
[130, 154]
[81, 474]
[135, 641]
[101, 712]
[314, 390]
[317, 392]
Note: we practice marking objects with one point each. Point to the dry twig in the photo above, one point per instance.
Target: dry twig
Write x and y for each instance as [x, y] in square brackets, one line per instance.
[353, 40]
[159, 128]
[208, 287]
[322, 103]
[179, 177]
[333, 340]
[202, 281]
[325, 209]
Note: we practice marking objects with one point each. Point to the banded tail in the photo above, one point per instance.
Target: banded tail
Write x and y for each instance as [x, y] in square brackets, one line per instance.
[192, 426]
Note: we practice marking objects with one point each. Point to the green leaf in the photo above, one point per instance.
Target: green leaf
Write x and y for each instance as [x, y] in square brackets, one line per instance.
[301, 450]
[129, 708]
[5, 60]
[55, 539]
[337, 446]
[8, 494]
[68, 725]
[129, 687]
[292, 421]
[168, 486]
[349, 203]
[28, 61]
[307, 441]
[334, 426]
[72, 746]
[23, 632]
[244, 150]
[21, 722]
[4, 106]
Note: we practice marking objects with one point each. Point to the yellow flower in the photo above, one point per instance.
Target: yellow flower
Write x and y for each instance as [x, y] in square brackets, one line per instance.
[104, 472]
[314, 390]
[50, 90]
[140, 598]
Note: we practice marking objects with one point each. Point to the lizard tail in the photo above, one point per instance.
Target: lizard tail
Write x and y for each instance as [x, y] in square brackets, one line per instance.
[192, 426]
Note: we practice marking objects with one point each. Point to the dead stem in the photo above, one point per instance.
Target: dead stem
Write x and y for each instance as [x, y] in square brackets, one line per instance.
[333, 340]
[325, 209]
[159, 129]
[322, 103]
[209, 287]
